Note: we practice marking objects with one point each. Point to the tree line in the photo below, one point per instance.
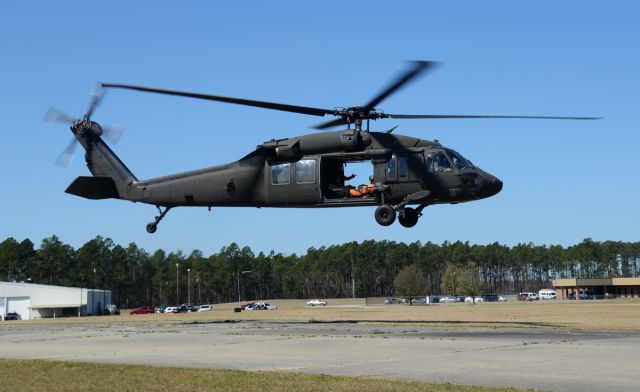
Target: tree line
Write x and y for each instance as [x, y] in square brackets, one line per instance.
[368, 269]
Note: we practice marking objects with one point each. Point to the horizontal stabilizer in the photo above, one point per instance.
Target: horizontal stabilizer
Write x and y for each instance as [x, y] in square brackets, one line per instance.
[94, 188]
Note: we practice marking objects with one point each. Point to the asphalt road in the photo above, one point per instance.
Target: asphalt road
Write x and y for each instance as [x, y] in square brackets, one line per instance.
[551, 359]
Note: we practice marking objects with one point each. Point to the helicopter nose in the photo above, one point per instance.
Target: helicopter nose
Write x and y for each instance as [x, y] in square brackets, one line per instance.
[492, 186]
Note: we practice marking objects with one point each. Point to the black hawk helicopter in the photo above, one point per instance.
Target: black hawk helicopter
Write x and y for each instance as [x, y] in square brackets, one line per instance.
[302, 171]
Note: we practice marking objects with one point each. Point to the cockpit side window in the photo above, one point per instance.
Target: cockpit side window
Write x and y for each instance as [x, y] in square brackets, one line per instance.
[391, 168]
[437, 162]
[398, 168]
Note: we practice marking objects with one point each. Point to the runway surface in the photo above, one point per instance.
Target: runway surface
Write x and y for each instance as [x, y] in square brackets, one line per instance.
[551, 359]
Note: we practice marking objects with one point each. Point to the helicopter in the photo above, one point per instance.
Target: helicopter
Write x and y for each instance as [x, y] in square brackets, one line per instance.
[408, 173]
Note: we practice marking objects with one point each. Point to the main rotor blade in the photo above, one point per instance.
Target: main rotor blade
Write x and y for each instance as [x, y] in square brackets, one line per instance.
[418, 68]
[239, 101]
[332, 123]
[462, 116]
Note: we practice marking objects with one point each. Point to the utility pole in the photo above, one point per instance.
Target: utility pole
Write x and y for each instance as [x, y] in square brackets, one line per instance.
[198, 283]
[177, 285]
[189, 286]
[353, 272]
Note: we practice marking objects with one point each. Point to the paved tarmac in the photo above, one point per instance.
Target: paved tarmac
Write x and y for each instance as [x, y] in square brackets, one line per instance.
[550, 359]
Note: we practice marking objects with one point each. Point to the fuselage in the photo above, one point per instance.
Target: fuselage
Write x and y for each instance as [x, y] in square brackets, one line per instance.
[298, 172]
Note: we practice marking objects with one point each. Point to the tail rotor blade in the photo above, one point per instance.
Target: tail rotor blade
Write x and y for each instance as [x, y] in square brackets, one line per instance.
[97, 94]
[55, 115]
[66, 157]
[114, 132]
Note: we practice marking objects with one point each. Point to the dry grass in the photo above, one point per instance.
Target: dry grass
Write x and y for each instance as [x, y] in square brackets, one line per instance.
[613, 315]
[38, 375]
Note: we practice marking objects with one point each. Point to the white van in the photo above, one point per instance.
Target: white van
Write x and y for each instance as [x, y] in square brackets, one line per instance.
[547, 294]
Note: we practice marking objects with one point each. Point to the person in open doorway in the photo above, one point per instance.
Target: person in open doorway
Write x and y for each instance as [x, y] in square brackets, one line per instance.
[363, 190]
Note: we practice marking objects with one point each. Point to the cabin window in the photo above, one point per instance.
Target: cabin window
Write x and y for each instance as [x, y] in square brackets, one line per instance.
[306, 171]
[280, 173]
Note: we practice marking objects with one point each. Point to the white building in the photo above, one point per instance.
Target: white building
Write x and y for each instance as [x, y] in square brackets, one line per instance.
[34, 301]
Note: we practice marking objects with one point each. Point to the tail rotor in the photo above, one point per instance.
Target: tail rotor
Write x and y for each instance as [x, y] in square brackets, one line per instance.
[81, 126]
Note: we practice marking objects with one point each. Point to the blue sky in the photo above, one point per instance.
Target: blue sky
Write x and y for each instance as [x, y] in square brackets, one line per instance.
[564, 181]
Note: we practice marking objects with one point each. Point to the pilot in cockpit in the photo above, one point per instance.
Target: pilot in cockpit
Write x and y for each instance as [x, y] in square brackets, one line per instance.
[440, 162]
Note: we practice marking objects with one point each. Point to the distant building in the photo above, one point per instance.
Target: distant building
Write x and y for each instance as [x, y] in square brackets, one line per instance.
[34, 301]
[597, 288]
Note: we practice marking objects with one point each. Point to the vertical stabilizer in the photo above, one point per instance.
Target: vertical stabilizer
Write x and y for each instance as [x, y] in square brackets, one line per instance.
[112, 177]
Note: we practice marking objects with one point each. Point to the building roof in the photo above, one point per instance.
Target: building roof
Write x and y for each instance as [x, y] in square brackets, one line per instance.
[575, 282]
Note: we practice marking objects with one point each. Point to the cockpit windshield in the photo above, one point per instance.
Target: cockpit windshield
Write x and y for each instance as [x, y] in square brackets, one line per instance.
[447, 160]
[458, 160]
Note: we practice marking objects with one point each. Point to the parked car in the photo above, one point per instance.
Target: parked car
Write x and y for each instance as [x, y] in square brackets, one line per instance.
[261, 306]
[448, 300]
[205, 308]
[317, 302]
[184, 308]
[143, 310]
[490, 298]
[501, 298]
[583, 295]
[171, 309]
[526, 296]
[12, 316]
[471, 299]
[390, 301]
[547, 294]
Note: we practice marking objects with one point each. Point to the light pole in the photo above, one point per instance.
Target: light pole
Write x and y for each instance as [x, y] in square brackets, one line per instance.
[198, 284]
[177, 285]
[240, 272]
[189, 286]
[81, 284]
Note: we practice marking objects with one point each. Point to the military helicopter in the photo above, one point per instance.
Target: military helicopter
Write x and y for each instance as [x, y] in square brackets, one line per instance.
[302, 171]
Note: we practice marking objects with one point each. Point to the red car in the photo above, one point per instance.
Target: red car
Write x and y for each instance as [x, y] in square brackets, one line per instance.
[143, 310]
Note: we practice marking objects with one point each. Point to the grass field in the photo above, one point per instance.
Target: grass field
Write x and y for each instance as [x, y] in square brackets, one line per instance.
[37, 375]
[612, 315]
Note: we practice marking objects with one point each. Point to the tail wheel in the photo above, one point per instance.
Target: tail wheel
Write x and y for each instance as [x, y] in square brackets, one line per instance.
[408, 217]
[385, 215]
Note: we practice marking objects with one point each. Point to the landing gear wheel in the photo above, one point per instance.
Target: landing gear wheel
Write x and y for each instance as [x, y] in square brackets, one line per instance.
[408, 217]
[153, 226]
[385, 215]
